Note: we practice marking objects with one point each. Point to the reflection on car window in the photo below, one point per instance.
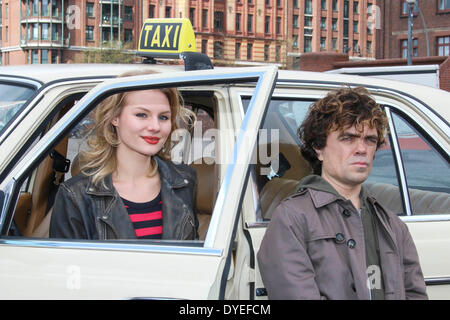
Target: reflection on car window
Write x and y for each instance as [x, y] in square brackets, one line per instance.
[427, 172]
[383, 180]
[12, 97]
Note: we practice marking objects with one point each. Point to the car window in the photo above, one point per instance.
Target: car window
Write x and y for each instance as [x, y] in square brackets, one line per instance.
[280, 164]
[427, 172]
[38, 190]
[12, 97]
[383, 181]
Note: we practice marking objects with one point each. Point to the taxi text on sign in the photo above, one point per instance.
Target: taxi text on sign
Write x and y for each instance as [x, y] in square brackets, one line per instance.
[167, 36]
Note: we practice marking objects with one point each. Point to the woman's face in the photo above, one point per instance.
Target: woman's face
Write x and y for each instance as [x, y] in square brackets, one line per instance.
[144, 123]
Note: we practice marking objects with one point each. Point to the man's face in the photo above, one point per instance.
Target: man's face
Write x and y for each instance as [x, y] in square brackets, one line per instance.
[347, 157]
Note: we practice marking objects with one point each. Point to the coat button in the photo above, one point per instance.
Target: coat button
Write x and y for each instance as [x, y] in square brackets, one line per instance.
[339, 238]
[351, 243]
[347, 213]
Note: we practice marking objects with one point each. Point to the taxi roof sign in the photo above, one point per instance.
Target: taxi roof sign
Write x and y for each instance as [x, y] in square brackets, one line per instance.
[166, 38]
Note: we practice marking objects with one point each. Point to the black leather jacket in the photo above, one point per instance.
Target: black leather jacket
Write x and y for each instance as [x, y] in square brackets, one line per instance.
[83, 210]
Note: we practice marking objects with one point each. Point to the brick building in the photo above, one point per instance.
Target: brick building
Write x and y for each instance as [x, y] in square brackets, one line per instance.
[229, 31]
[431, 29]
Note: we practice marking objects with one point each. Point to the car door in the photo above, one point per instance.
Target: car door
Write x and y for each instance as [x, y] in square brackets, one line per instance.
[64, 268]
[410, 178]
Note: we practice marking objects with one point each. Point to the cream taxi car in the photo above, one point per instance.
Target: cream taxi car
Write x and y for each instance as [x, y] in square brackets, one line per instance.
[246, 153]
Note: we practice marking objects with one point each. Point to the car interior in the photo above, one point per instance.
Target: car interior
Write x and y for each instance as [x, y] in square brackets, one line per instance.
[33, 211]
[34, 207]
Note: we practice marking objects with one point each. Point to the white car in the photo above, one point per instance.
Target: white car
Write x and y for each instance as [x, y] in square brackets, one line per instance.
[246, 152]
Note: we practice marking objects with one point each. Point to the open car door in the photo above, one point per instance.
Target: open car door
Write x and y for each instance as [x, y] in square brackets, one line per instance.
[45, 268]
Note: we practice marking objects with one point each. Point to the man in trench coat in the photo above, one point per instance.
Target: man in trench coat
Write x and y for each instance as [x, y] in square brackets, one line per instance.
[332, 240]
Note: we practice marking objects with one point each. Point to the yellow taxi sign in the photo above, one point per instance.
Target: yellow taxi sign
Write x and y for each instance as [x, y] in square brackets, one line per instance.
[166, 38]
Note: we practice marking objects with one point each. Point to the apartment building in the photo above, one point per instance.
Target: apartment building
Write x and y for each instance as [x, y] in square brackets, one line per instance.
[231, 32]
[430, 31]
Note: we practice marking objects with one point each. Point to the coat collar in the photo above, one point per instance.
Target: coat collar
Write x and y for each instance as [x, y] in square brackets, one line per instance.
[168, 172]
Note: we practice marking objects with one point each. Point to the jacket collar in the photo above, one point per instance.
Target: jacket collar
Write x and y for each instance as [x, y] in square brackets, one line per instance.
[168, 172]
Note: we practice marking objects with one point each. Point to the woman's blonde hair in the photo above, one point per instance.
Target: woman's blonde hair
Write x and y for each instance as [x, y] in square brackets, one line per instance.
[99, 160]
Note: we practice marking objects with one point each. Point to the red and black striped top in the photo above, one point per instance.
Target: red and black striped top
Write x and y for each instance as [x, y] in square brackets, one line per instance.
[146, 217]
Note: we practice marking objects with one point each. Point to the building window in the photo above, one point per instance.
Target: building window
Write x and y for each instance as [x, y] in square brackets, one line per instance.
[444, 5]
[346, 28]
[44, 56]
[308, 44]
[355, 26]
[128, 14]
[238, 22]
[323, 43]
[54, 56]
[308, 21]
[278, 26]
[266, 52]
[323, 23]
[250, 23]
[168, 12]
[334, 44]
[7, 33]
[218, 50]
[278, 53]
[128, 36]
[55, 31]
[192, 16]
[54, 9]
[34, 56]
[44, 31]
[35, 9]
[308, 6]
[355, 7]
[369, 47]
[295, 42]
[267, 24]
[295, 20]
[334, 24]
[404, 48]
[89, 9]
[205, 46]
[346, 5]
[443, 46]
[295, 3]
[89, 33]
[334, 5]
[205, 18]
[151, 11]
[218, 21]
[249, 51]
[35, 31]
[323, 4]
[237, 51]
[44, 9]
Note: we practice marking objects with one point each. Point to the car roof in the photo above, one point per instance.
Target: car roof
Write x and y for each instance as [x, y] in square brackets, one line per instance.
[45, 73]
[435, 99]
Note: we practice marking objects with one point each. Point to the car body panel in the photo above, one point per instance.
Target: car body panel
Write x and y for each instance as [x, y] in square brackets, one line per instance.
[85, 267]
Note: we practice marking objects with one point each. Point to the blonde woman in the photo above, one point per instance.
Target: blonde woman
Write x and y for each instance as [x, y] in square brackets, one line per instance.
[128, 188]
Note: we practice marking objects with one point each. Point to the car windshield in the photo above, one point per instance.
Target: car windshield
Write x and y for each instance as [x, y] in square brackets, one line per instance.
[12, 97]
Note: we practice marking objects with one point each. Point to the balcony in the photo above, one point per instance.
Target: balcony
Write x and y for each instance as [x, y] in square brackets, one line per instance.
[44, 44]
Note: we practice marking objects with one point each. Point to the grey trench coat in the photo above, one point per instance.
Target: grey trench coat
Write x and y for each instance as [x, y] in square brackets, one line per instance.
[300, 259]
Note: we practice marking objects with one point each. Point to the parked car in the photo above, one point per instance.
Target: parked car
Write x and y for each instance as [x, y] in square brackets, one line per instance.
[247, 157]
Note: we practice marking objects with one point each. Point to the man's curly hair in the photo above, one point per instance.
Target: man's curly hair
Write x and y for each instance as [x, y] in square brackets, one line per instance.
[339, 110]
